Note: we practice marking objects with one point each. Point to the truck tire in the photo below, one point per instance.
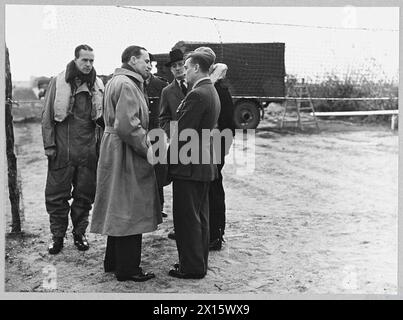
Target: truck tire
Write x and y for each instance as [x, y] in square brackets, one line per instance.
[246, 115]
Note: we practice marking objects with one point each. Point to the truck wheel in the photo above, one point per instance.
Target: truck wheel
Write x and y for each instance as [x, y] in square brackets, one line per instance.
[246, 115]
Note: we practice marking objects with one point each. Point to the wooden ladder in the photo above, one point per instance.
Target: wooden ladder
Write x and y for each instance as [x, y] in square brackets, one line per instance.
[299, 93]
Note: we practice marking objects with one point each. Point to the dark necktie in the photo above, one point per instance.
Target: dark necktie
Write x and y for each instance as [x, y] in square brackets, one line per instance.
[183, 87]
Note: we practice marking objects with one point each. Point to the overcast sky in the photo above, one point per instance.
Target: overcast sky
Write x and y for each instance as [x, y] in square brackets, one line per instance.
[41, 39]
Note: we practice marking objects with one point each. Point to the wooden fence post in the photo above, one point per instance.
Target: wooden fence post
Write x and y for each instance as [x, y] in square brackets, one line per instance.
[394, 122]
[14, 192]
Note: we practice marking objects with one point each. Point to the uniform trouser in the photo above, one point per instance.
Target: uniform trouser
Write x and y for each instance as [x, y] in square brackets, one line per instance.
[123, 255]
[191, 223]
[75, 182]
[161, 194]
[160, 173]
[217, 206]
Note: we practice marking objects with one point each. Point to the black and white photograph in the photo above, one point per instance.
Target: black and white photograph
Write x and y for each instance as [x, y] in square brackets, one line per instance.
[172, 149]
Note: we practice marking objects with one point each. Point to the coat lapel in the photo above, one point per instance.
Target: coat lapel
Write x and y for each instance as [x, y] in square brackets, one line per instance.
[177, 90]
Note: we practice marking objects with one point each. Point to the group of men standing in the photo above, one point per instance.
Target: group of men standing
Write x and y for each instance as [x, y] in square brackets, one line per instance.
[125, 187]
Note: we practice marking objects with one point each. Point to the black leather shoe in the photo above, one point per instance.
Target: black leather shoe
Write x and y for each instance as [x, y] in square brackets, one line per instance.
[172, 235]
[56, 246]
[140, 277]
[177, 274]
[163, 214]
[80, 241]
[215, 245]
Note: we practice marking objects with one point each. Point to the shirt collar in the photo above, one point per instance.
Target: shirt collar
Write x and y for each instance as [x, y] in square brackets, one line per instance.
[179, 82]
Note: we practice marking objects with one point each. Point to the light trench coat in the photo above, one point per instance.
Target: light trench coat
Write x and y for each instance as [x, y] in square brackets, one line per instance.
[126, 200]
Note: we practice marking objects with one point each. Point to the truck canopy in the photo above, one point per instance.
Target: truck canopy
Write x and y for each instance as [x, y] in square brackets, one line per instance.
[254, 69]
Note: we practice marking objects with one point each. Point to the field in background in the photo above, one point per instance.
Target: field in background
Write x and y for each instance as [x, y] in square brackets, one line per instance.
[30, 109]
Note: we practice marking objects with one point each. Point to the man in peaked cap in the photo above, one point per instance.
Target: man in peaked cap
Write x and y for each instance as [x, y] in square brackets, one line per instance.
[207, 53]
[225, 121]
[199, 110]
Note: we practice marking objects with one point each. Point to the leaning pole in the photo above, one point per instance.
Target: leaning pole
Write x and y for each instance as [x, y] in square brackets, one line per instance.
[14, 193]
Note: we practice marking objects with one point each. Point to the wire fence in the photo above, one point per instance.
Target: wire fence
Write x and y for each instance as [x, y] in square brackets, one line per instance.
[344, 67]
[351, 67]
[312, 52]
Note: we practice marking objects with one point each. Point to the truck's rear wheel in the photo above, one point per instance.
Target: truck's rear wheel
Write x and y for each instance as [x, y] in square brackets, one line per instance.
[246, 115]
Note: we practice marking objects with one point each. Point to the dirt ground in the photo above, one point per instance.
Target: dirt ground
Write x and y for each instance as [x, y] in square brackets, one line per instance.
[317, 216]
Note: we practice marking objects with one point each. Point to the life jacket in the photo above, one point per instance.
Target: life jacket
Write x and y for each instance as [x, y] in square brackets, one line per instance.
[64, 100]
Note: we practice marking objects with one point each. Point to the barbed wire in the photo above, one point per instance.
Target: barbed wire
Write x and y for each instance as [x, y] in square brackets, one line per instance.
[254, 22]
[19, 102]
[316, 98]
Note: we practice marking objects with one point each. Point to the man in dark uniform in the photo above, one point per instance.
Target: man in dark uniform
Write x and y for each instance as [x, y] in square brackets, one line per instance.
[172, 95]
[216, 192]
[73, 104]
[154, 85]
[199, 110]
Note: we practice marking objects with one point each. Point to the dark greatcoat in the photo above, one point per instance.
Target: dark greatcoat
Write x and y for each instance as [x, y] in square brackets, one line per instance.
[171, 97]
[216, 191]
[154, 88]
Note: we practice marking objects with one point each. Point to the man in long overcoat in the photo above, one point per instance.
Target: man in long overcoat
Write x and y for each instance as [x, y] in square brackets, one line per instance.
[199, 110]
[126, 203]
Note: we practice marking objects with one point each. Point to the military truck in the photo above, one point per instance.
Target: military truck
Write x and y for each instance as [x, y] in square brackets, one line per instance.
[256, 73]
